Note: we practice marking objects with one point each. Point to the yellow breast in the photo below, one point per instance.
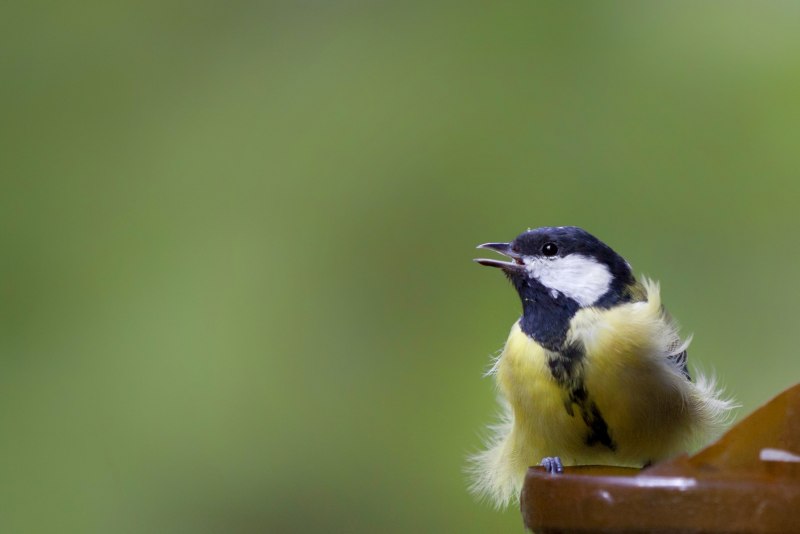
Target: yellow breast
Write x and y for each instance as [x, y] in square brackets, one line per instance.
[543, 425]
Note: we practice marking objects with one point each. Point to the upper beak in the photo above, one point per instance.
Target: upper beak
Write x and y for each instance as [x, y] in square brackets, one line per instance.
[505, 250]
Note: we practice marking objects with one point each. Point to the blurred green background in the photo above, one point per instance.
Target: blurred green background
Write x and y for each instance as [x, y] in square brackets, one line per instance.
[236, 288]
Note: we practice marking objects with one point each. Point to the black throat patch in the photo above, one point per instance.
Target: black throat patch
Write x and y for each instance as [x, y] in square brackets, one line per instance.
[545, 313]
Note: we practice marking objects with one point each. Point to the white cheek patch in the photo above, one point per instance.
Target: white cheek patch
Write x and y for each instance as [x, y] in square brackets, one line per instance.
[579, 277]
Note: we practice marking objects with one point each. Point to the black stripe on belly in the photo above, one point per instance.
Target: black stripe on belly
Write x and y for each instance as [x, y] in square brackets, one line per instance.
[564, 364]
[598, 428]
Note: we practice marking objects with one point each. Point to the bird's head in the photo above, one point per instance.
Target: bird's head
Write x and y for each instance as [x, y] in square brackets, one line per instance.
[566, 264]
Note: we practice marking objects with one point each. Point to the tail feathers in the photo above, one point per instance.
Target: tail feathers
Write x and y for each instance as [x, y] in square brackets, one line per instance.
[496, 474]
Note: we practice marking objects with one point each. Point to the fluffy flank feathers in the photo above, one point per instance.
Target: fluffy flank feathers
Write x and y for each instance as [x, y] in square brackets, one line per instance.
[493, 364]
[490, 471]
[714, 409]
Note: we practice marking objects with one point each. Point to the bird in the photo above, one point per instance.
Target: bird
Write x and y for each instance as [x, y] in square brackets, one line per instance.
[593, 372]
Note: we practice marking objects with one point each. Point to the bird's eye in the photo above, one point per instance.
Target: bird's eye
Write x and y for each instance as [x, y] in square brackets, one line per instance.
[549, 249]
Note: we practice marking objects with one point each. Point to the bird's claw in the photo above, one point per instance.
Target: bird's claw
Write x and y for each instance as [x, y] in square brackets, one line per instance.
[552, 465]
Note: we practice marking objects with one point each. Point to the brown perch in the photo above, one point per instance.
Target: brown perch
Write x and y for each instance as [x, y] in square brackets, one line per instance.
[747, 481]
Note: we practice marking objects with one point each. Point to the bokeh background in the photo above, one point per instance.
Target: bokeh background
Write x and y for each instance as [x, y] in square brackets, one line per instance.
[236, 288]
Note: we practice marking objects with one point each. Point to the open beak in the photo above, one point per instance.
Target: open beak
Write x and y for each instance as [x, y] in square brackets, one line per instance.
[504, 249]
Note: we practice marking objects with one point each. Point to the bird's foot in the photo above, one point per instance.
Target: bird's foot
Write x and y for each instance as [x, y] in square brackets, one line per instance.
[552, 465]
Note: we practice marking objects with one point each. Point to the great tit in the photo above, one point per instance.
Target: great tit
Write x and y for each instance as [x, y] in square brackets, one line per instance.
[593, 372]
